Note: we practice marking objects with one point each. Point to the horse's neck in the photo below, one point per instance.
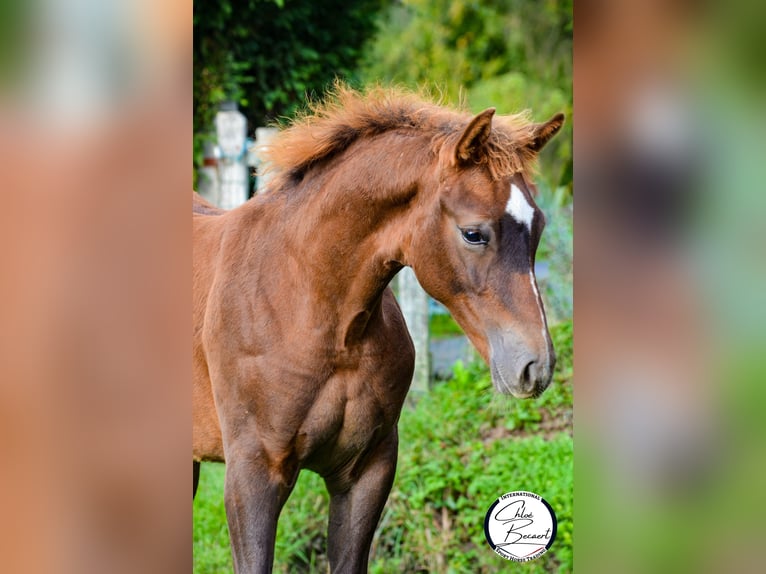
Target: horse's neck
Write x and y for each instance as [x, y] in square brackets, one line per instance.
[346, 232]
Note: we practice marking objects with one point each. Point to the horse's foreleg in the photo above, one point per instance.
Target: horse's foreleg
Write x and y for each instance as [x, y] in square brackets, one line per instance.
[253, 497]
[355, 511]
[196, 477]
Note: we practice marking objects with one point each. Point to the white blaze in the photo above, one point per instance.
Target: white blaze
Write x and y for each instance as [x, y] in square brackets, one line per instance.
[546, 337]
[518, 207]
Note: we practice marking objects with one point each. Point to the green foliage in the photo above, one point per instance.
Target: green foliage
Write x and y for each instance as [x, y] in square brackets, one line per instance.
[268, 54]
[211, 534]
[463, 446]
[510, 54]
[442, 325]
[460, 447]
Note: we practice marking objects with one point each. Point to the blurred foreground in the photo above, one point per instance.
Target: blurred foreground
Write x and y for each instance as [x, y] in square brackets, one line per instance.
[669, 244]
[95, 412]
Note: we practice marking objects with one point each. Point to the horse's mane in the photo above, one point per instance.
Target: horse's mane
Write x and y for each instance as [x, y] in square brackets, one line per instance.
[346, 115]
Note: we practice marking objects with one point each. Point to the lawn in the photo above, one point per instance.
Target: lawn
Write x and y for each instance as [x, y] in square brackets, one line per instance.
[461, 447]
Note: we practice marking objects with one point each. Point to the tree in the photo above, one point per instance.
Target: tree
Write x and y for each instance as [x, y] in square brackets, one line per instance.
[268, 54]
[511, 54]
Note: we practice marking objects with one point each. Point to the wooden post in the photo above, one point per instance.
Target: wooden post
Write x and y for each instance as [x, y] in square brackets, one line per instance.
[414, 303]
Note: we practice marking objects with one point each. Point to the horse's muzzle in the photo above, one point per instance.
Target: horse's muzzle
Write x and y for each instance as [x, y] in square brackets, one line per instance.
[516, 370]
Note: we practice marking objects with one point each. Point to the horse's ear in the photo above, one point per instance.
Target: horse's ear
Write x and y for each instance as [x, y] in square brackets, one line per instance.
[474, 136]
[542, 133]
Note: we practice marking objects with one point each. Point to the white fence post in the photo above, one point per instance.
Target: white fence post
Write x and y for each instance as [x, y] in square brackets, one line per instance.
[414, 303]
[231, 129]
[263, 137]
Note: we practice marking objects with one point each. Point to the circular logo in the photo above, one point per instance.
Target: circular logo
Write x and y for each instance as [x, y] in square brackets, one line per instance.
[520, 526]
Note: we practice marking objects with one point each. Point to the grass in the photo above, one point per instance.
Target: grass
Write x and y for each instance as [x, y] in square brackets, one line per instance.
[462, 446]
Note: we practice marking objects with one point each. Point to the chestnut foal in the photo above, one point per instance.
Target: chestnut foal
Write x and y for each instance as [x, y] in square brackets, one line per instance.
[301, 356]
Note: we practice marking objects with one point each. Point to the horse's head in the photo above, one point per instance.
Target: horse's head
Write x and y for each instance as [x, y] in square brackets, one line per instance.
[475, 251]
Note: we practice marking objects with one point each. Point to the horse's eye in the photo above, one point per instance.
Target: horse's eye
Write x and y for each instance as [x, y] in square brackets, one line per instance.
[474, 236]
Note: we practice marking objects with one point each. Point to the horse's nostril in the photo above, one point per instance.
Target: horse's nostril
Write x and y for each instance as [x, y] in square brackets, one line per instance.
[526, 374]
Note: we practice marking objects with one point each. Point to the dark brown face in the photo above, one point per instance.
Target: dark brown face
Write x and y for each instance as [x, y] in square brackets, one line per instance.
[477, 257]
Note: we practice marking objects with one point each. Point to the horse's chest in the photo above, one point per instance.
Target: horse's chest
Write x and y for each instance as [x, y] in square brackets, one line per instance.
[353, 412]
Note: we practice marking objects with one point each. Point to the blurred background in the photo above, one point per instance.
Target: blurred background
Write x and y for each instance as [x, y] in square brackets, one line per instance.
[269, 56]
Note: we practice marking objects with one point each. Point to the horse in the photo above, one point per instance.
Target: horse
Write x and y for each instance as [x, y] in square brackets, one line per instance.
[301, 356]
